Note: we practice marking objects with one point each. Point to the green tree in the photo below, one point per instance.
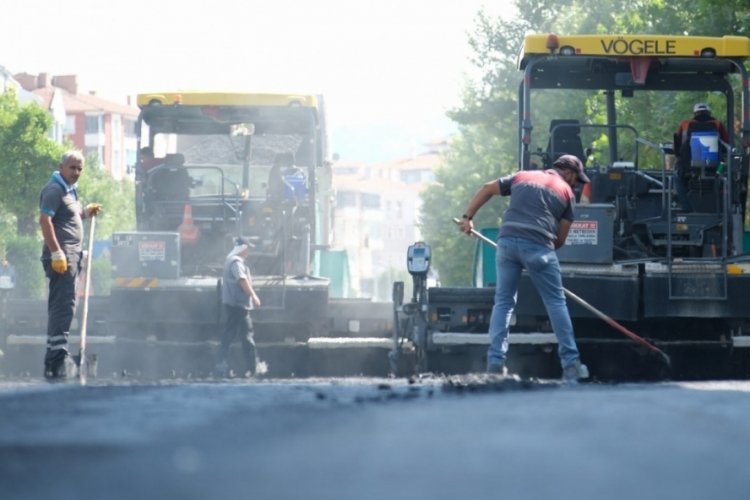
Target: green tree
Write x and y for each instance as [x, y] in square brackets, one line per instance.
[23, 253]
[27, 157]
[116, 196]
[484, 148]
[467, 166]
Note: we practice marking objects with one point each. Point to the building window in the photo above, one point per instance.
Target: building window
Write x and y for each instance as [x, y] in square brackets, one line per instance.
[93, 124]
[129, 127]
[370, 200]
[130, 156]
[341, 170]
[346, 199]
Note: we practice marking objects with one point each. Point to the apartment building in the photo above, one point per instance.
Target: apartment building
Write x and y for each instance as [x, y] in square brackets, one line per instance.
[94, 125]
[377, 212]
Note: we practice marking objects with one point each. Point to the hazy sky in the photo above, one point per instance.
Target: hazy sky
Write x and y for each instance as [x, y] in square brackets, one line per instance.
[388, 68]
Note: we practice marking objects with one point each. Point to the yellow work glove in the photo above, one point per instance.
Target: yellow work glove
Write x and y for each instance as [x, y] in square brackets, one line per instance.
[92, 209]
[59, 262]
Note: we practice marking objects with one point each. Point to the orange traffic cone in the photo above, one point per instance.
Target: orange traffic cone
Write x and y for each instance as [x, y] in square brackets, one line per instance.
[189, 232]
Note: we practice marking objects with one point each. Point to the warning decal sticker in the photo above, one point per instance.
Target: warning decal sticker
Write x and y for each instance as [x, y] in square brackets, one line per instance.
[583, 233]
[149, 251]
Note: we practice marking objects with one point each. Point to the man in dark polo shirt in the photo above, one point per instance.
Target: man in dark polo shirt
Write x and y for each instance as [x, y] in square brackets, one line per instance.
[60, 219]
[535, 224]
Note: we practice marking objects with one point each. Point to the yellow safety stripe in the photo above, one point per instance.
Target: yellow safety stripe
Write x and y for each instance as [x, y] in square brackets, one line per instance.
[137, 282]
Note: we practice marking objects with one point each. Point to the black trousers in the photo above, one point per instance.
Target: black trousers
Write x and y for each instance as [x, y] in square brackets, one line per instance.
[240, 324]
[61, 307]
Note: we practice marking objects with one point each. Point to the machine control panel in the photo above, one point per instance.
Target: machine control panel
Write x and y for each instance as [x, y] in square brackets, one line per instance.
[418, 258]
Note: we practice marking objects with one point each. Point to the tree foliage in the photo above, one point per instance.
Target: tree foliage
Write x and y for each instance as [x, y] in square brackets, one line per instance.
[117, 198]
[486, 145]
[27, 157]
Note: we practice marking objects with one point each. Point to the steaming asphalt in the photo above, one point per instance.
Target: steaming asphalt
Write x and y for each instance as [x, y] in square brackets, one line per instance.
[360, 438]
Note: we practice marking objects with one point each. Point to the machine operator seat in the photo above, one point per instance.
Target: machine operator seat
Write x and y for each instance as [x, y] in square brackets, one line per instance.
[696, 175]
[171, 181]
[284, 180]
[281, 163]
[565, 138]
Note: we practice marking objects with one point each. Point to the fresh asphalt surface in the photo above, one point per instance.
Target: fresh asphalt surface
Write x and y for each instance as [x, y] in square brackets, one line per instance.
[355, 438]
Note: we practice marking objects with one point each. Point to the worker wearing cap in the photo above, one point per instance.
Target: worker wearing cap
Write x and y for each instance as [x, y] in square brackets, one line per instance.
[701, 114]
[60, 220]
[535, 224]
[238, 297]
[701, 117]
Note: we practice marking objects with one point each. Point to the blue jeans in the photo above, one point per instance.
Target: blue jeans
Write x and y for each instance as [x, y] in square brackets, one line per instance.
[513, 255]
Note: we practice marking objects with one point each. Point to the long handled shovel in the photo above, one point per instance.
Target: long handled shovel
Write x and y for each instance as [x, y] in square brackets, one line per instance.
[83, 364]
[611, 322]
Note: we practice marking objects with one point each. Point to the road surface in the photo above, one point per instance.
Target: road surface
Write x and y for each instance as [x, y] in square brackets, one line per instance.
[358, 438]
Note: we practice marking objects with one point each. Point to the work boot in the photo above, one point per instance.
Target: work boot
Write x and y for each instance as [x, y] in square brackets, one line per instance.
[497, 369]
[60, 370]
[575, 372]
